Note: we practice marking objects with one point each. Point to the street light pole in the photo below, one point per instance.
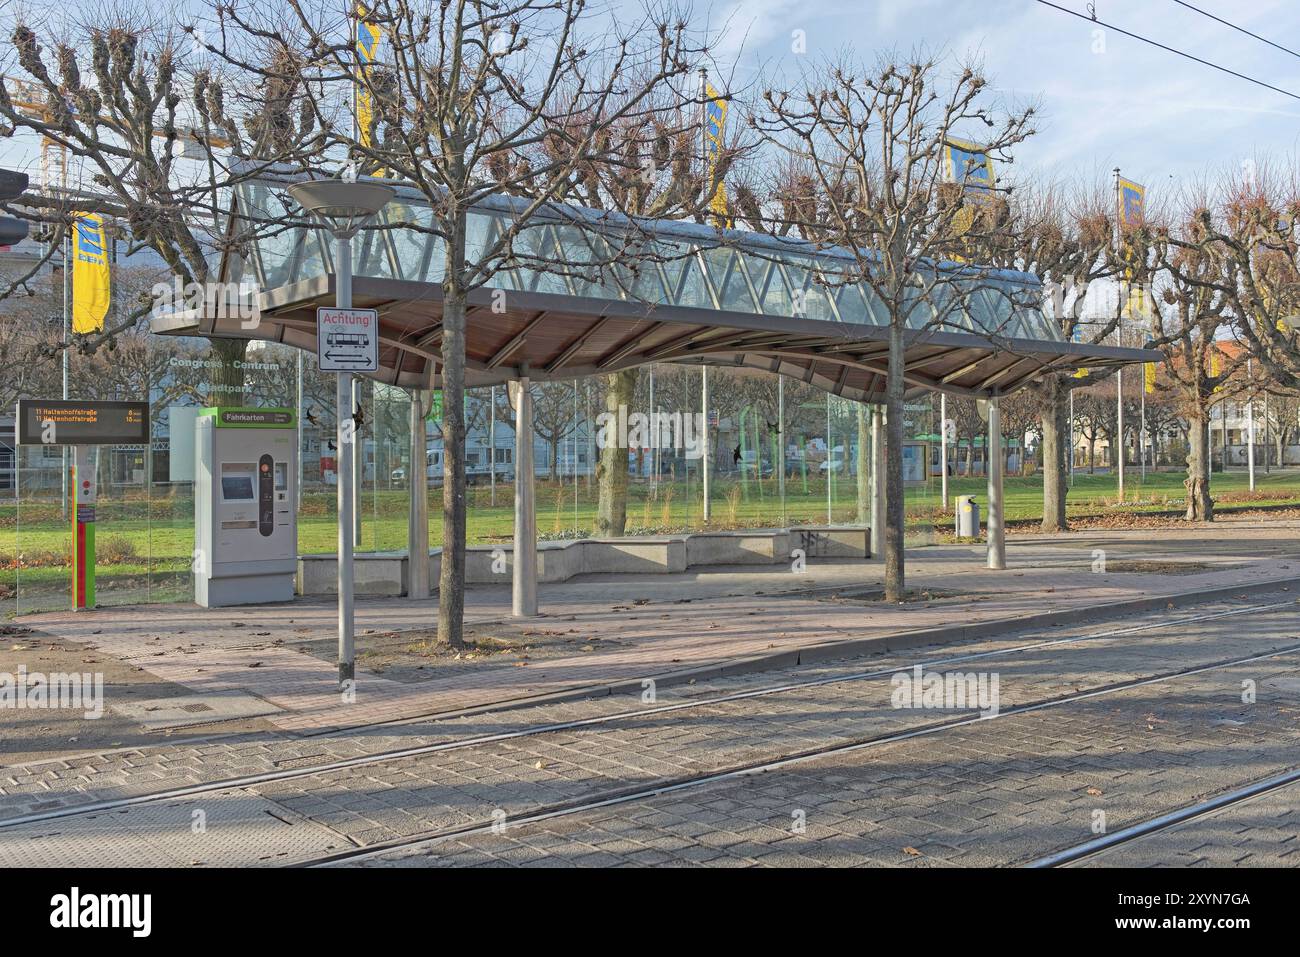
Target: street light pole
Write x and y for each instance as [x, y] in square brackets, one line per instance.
[344, 464]
[344, 207]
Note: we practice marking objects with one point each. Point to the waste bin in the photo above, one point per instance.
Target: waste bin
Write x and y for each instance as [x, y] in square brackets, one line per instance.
[968, 517]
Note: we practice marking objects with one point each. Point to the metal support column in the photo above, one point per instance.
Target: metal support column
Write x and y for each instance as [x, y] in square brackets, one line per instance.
[417, 528]
[708, 444]
[877, 482]
[997, 551]
[345, 438]
[524, 579]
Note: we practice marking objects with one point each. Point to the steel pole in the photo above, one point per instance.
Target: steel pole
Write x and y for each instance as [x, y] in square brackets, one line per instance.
[943, 448]
[997, 546]
[344, 464]
[67, 322]
[1119, 430]
[708, 448]
[877, 482]
[524, 579]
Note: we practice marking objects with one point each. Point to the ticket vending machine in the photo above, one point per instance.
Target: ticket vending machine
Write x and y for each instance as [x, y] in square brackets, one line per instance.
[245, 520]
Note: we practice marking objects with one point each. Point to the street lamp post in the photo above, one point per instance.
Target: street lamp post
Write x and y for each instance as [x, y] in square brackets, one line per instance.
[344, 207]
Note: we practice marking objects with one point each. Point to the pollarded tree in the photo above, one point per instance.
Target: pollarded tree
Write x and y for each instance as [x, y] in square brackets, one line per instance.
[126, 97]
[873, 141]
[1190, 311]
[1066, 240]
[476, 100]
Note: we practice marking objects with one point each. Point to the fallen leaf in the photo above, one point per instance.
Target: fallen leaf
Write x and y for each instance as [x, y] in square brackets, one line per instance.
[912, 851]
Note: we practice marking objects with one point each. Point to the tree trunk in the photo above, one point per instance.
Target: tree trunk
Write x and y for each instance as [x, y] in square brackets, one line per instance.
[227, 381]
[894, 572]
[611, 470]
[451, 576]
[864, 466]
[1200, 507]
[1056, 429]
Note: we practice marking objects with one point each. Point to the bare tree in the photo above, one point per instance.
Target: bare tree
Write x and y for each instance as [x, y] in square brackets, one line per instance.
[478, 100]
[125, 98]
[1191, 309]
[1066, 240]
[872, 142]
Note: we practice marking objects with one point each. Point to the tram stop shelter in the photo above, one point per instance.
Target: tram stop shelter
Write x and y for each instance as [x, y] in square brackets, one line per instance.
[569, 305]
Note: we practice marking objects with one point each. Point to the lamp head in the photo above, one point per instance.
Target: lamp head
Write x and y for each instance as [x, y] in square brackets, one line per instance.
[344, 205]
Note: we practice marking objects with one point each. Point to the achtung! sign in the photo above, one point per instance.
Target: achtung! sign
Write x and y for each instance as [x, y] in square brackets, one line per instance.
[347, 340]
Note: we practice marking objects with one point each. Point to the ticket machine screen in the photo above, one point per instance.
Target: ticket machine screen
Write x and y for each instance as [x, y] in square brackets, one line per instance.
[237, 482]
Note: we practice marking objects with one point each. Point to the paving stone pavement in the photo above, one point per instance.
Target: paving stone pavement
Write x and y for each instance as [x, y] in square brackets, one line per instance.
[47, 785]
[990, 793]
[381, 802]
[732, 613]
[1263, 831]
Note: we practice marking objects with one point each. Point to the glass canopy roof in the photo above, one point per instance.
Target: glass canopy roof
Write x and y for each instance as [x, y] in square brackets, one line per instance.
[580, 252]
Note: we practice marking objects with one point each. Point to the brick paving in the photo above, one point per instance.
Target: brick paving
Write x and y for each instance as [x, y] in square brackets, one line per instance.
[453, 788]
[731, 614]
[991, 793]
[1263, 831]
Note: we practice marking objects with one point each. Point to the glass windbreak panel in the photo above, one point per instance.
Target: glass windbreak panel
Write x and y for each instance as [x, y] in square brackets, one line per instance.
[8, 524]
[411, 247]
[43, 537]
[276, 245]
[200, 373]
[489, 438]
[385, 473]
[318, 455]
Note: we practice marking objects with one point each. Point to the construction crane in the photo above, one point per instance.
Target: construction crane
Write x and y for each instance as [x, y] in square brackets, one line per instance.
[28, 97]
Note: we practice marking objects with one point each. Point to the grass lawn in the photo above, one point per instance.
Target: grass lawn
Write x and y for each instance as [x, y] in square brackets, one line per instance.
[144, 548]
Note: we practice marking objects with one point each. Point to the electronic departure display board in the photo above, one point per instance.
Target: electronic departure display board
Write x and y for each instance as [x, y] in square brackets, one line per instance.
[74, 422]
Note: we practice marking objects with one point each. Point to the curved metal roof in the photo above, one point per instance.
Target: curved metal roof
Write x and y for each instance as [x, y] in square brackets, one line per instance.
[696, 295]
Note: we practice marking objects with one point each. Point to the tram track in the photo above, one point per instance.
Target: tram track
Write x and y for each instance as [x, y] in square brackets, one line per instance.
[671, 786]
[1163, 822]
[398, 754]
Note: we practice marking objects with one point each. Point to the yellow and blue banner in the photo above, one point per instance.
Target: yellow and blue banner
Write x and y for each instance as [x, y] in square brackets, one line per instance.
[367, 42]
[715, 121]
[1132, 203]
[971, 167]
[91, 284]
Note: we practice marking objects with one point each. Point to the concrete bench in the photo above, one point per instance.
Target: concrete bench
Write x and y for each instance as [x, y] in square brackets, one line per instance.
[386, 573]
[825, 541]
[374, 573]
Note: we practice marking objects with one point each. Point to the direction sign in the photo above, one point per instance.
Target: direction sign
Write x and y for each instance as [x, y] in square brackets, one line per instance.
[347, 340]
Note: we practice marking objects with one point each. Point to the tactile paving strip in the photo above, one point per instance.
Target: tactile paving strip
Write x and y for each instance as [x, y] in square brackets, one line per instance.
[238, 829]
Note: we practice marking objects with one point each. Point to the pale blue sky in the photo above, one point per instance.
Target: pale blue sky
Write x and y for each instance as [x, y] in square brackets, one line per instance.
[1131, 105]
[1146, 110]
